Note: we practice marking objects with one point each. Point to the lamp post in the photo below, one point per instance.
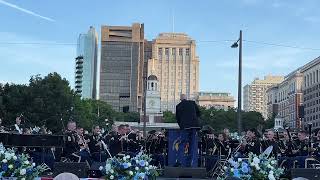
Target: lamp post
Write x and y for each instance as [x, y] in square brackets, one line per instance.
[236, 45]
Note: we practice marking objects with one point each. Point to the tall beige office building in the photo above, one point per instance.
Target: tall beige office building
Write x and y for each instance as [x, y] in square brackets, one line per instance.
[121, 68]
[255, 96]
[175, 63]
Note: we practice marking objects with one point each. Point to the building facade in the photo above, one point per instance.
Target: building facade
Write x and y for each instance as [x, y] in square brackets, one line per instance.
[311, 93]
[153, 106]
[272, 101]
[216, 100]
[290, 99]
[121, 68]
[175, 63]
[255, 96]
[86, 65]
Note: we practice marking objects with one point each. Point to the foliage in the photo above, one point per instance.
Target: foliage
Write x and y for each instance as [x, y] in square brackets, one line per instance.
[51, 102]
[127, 116]
[127, 168]
[256, 167]
[219, 119]
[169, 117]
[18, 166]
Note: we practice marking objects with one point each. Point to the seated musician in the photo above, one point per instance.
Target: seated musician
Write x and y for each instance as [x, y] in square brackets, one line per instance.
[133, 144]
[316, 145]
[114, 140]
[301, 152]
[157, 145]
[17, 127]
[270, 141]
[252, 143]
[221, 143]
[95, 145]
[73, 150]
[2, 128]
[230, 143]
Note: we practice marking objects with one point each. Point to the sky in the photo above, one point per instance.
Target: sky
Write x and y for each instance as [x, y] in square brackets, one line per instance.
[39, 37]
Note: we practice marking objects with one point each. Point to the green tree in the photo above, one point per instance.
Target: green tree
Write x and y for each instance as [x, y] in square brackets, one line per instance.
[169, 117]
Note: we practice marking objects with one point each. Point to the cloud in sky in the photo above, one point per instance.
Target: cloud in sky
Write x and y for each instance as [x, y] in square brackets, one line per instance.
[26, 11]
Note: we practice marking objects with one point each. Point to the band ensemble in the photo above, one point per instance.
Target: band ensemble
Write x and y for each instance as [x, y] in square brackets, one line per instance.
[290, 148]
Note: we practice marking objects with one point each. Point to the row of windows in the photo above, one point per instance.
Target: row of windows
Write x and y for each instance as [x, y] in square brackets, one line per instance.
[313, 110]
[311, 118]
[310, 90]
[310, 97]
[173, 51]
[311, 78]
[312, 103]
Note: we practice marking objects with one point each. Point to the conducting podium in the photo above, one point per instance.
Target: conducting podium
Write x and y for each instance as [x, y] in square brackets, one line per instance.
[182, 148]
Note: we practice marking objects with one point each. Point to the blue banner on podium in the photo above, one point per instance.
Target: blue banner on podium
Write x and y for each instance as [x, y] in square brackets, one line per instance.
[182, 148]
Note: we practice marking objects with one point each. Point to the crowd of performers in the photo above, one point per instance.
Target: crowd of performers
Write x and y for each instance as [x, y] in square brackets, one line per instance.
[290, 148]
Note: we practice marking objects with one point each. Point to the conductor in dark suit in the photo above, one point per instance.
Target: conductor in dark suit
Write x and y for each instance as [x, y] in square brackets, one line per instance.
[187, 114]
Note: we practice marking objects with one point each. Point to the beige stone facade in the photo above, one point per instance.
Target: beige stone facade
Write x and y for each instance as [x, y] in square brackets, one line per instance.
[216, 100]
[287, 96]
[175, 63]
[311, 93]
[255, 96]
[272, 101]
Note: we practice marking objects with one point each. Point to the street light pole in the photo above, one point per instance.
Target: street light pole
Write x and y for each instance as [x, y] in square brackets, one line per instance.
[235, 45]
[239, 84]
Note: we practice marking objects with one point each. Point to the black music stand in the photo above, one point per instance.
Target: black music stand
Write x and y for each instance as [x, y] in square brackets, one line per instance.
[35, 141]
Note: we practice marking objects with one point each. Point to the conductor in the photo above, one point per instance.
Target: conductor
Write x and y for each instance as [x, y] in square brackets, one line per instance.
[187, 114]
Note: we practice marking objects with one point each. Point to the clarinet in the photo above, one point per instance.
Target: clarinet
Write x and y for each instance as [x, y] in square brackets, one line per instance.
[290, 142]
[278, 142]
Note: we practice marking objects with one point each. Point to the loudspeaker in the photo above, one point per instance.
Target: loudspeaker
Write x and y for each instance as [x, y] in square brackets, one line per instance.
[79, 169]
[311, 174]
[184, 172]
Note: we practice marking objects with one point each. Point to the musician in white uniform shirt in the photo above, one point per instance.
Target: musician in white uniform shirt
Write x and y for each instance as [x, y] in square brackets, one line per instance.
[17, 127]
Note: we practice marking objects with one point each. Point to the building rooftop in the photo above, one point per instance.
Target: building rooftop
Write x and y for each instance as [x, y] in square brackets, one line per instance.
[152, 77]
[208, 93]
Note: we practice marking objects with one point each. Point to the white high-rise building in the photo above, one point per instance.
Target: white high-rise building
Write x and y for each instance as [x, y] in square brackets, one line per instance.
[255, 97]
[86, 65]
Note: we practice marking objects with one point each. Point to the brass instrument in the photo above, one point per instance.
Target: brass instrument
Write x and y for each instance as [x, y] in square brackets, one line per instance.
[83, 142]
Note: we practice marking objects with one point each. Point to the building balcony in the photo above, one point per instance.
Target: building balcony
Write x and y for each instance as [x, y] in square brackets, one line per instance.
[79, 67]
[78, 82]
[79, 57]
[78, 86]
[79, 76]
[79, 72]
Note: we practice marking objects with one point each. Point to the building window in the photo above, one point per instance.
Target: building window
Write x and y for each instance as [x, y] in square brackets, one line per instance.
[173, 51]
[187, 52]
[167, 52]
[180, 51]
[160, 52]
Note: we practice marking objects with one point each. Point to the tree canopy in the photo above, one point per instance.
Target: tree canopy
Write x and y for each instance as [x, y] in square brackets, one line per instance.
[50, 101]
